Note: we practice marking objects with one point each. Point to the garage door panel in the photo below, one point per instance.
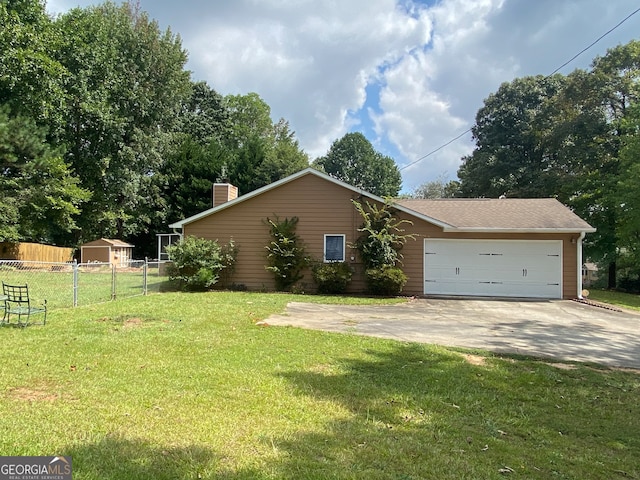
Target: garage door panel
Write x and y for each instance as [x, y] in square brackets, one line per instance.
[513, 268]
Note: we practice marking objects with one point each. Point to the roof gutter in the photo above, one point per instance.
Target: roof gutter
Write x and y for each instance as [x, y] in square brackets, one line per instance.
[581, 231]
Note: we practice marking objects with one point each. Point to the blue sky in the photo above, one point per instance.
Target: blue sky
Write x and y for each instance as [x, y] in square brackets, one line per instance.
[409, 75]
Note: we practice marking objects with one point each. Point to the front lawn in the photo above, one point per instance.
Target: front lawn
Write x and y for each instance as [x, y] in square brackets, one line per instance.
[186, 386]
[624, 300]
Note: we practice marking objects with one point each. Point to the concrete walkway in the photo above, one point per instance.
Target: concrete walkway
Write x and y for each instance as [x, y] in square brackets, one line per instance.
[564, 330]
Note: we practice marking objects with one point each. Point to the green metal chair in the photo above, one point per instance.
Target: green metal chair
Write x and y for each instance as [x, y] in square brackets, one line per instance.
[18, 303]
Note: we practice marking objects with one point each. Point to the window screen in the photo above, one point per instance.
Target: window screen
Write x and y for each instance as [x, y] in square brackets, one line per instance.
[334, 248]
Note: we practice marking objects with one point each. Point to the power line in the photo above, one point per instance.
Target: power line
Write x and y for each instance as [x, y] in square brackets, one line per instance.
[436, 150]
[596, 41]
[555, 71]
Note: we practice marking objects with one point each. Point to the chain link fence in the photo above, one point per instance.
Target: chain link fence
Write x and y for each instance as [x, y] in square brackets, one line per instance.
[72, 284]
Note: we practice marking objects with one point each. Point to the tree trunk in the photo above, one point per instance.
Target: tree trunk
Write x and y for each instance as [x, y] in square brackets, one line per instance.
[611, 285]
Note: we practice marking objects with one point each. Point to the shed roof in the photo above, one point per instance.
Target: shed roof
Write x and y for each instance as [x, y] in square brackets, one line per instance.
[107, 242]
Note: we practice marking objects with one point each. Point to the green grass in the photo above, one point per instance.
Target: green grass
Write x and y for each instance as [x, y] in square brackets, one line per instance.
[94, 283]
[186, 386]
[624, 300]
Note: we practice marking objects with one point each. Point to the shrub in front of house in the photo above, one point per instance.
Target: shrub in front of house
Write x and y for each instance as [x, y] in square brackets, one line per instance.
[197, 263]
[332, 277]
[379, 246]
[285, 253]
[386, 280]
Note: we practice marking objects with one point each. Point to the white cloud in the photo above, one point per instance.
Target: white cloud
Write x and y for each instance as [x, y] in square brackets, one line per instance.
[432, 64]
[432, 96]
[311, 61]
[421, 103]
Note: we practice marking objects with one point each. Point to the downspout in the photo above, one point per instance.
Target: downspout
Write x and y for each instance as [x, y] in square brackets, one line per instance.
[579, 249]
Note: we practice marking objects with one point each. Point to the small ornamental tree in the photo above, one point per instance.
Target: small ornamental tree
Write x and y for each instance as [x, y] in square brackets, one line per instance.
[285, 253]
[197, 262]
[379, 247]
[228, 255]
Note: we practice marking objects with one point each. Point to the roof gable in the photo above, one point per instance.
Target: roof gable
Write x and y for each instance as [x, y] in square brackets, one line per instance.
[291, 178]
[452, 215]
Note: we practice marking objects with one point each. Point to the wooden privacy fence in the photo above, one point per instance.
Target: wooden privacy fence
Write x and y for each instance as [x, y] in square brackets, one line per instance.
[34, 252]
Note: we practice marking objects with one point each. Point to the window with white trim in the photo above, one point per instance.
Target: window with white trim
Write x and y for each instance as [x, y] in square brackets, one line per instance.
[334, 248]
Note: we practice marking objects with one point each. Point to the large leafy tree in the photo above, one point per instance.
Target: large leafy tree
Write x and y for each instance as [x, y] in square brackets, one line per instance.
[510, 157]
[188, 176]
[586, 141]
[627, 196]
[592, 126]
[617, 77]
[40, 195]
[30, 76]
[562, 136]
[250, 118]
[260, 155]
[204, 115]
[261, 161]
[264, 151]
[353, 160]
[106, 93]
[125, 88]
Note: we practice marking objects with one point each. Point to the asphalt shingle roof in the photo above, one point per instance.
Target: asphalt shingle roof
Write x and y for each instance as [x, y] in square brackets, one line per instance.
[499, 214]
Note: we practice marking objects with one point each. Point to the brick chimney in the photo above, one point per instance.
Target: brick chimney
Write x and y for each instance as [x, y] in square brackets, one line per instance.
[223, 193]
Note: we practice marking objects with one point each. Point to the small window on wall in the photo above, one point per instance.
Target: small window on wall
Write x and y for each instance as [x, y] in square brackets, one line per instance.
[334, 248]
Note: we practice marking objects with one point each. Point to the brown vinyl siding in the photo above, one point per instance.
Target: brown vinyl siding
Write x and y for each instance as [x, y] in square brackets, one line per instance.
[321, 206]
[324, 207]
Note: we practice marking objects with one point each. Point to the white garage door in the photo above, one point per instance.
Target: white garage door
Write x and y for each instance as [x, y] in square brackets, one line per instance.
[500, 268]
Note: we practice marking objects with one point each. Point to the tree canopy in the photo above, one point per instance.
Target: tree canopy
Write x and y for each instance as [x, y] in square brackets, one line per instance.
[124, 141]
[572, 137]
[40, 194]
[435, 189]
[353, 160]
[510, 158]
[126, 85]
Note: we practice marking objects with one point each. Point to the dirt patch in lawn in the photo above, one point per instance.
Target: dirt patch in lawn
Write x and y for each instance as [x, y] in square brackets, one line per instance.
[475, 359]
[132, 322]
[38, 393]
[126, 322]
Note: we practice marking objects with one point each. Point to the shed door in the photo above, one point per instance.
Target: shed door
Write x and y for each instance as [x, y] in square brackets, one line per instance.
[494, 268]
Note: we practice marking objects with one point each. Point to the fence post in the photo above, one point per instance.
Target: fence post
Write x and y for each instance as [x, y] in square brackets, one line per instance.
[145, 271]
[113, 281]
[75, 282]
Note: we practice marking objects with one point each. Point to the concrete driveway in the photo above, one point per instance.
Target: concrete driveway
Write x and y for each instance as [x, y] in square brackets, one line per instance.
[560, 329]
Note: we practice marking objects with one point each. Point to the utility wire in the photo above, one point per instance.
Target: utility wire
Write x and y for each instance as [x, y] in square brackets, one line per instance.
[592, 44]
[555, 71]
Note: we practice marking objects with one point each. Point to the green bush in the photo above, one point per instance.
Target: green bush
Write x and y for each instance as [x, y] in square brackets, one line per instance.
[379, 246]
[285, 253]
[197, 263]
[382, 235]
[385, 281]
[332, 277]
[228, 254]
